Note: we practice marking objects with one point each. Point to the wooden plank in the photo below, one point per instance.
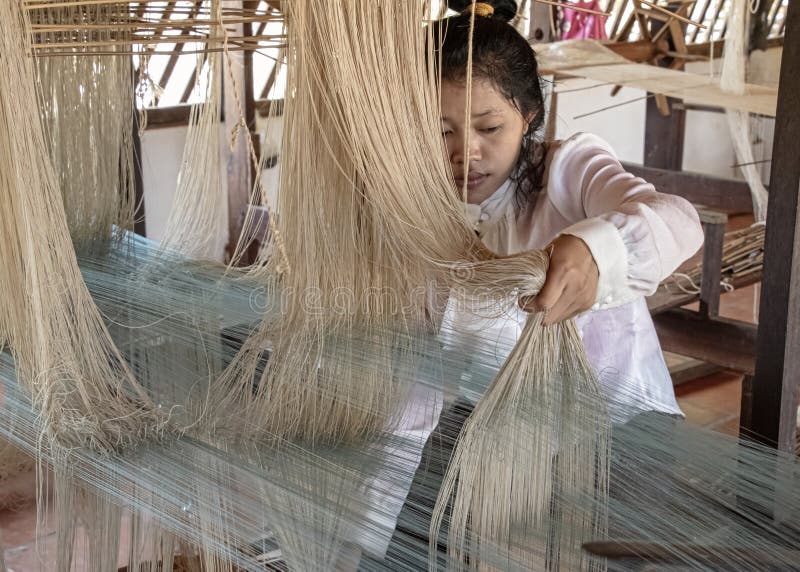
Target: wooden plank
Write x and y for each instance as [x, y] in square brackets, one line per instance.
[775, 386]
[168, 116]
[760, 26]
[683, 369]
[638, 51]
[704, 108]
[664, 300]
[173, 58]
[726, 195]
[263, 106]
[617, 17]
[174, 116]
[713, 23]
[723, 342]
[273, 74]
[705, 49]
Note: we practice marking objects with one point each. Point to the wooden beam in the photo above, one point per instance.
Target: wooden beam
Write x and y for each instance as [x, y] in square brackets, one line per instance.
[173, 58]
[638, 51]
[777, 375]
[665, 119]
[725, 195]
[759, 26]
[273, 74]
[264, 106]
[726, 343]
[664, 300]
[173, 116]
[713, 23]
[704, 49]
[701, 19]
[774, 11]
[617, 18]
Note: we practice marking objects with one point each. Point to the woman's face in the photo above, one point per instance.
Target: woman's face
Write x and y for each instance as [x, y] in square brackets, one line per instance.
[495, 132]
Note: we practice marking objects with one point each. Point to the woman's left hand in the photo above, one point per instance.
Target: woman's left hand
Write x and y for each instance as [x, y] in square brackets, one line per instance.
[571, 283]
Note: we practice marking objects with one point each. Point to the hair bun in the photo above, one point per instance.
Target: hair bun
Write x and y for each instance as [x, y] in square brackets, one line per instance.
[503, 9]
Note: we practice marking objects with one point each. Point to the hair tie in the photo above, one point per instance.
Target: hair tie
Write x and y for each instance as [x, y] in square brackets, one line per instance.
[481, 9]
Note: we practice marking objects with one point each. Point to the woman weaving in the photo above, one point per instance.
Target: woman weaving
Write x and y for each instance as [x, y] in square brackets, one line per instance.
[612, 238]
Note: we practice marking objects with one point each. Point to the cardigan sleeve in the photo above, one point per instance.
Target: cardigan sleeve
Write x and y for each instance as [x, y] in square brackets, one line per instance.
[636, 235]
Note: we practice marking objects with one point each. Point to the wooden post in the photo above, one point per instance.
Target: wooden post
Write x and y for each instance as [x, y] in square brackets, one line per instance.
[775, 384]
[663, 136]
[759, 26]
[714, 228]
[248, 94]
[665, 119]
[139, 226]
[238, 158]
[539, 30]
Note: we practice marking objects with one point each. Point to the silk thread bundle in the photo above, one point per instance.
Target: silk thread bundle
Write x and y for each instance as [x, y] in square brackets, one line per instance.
[366, 230]
[87, 103]
[199, 209]
[368, 225]
[540, 430]
[77, 378]
[676, 485]
[700, 498]
[360, 245]
[733, 78]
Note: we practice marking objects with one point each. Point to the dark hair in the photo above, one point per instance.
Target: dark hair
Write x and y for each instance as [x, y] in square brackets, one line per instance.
[501, 55]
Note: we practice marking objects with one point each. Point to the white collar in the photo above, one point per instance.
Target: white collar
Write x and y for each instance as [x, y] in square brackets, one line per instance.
[492, 209]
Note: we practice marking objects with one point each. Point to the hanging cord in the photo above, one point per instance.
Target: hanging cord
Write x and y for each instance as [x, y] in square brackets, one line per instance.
[242, 125]
[468, 110]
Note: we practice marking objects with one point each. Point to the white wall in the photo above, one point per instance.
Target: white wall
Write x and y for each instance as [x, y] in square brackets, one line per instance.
[162, 150]
[162, 153]
[271, 131]
[707, 147]
[622, 126]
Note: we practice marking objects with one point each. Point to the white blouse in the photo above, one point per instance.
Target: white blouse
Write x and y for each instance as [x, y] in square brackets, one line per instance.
[637, 237]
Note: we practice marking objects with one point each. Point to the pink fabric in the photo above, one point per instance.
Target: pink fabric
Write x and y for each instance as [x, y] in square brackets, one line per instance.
[577, 25]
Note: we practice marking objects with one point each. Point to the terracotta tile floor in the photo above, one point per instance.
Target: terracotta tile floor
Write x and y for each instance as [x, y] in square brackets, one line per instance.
[711, 401]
